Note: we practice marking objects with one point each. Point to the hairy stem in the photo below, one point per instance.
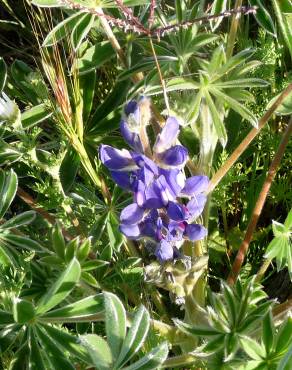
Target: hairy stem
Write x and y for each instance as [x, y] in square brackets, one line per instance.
[259, 206]
[247, 140]
[263, 270]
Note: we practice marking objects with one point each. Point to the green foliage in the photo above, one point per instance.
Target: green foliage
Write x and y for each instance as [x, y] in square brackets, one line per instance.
[73, 290]
[280, 247]
[233, 315]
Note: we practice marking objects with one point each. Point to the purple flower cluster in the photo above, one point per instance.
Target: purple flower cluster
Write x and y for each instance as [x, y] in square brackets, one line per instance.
[157, 183]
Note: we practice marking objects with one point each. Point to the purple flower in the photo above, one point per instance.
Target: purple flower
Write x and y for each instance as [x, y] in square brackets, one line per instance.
[157, 184]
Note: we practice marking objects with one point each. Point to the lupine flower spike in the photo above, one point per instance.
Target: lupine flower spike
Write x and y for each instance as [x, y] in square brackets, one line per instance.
[165, 202]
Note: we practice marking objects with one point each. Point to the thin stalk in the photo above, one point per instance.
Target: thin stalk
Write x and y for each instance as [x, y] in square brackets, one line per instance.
[263, 269]
[247, 140]
[233, 30]
[259, 206]
[162, 82]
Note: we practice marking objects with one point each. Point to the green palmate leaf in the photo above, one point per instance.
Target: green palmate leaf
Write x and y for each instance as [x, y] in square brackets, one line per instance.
[219, 126]
[235, 105]
[87, 89]
[263, 17]
[35, 115]
[81, 30]
[253, 348]
[252, 320]
[90, 279]
[84, 250]
[114, 234]
[69, 168]
[98, 350]
[268, 332]
[68, 342]
[71, 249]
[89, 306]
[284, 337]
[21, 242]
[231, 345]
[56, 357]
[197, 330]
[195, 109]
[8, 154]
[288, 221]
[231, 302]
[285, 363]
[135, 337]
[19, 220]
[115, 319]
[23, 311]
[61, 288]
[95, 57]
[35, 360]
[58, 241]
[7, 258]
[3, 73]
[93, 265]
[152, 360]
[47, 3]
[245, 82]
[233, 62]
[280, 247]
[283, 10]
[8, 187]
[62, 29]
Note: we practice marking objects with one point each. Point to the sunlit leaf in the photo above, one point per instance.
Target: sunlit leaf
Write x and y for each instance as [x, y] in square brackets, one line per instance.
[61, 288]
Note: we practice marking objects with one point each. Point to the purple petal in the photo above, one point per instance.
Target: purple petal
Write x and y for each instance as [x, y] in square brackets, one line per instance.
[166, 193]
[164, 251]
[130, 231]
[144, 162]
[153, 196]
[140, 193]
[132, 108]
[132, 214]
[176, 156]
[177, 212]
[176, 230]
[175, 180]
[168, 135]
[149, 225]
[130, 137]
[195, 232]
[116, 160]
[124, 179]
[196, 205]
[195, 185]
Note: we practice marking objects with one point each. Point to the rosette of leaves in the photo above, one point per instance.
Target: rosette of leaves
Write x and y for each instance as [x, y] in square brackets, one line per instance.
[232, 314]
[275, 349]
[40, 344]
[280, 247]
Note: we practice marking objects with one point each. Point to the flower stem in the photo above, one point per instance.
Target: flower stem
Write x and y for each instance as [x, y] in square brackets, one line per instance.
[259, 206]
